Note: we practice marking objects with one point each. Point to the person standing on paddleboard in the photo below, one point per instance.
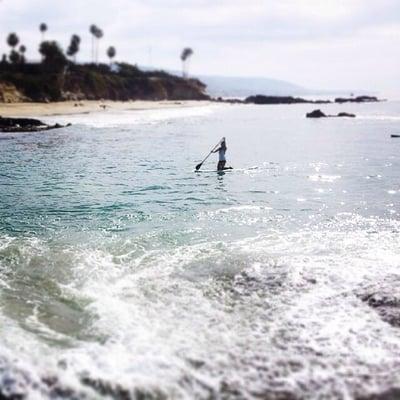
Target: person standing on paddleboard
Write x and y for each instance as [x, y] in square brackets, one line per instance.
[221, 155]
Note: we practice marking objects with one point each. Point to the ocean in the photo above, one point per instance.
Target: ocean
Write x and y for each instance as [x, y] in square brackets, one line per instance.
[124, 274]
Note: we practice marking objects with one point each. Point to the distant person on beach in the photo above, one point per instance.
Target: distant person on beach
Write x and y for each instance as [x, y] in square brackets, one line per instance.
[221, 155]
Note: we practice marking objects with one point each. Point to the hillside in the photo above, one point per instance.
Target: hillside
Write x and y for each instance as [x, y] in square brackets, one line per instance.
[38, 82]
[242, 86]
[225, 86]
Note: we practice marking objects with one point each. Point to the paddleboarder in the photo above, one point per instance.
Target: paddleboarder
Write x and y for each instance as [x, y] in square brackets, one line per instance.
[221, 150]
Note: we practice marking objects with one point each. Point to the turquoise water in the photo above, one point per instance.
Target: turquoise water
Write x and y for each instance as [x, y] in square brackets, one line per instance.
[124, 273]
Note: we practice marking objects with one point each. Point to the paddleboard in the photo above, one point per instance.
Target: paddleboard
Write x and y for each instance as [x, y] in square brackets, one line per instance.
[226, 170]
[214, 170]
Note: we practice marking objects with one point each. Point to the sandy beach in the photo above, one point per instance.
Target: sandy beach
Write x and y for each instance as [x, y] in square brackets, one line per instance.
[88, 106]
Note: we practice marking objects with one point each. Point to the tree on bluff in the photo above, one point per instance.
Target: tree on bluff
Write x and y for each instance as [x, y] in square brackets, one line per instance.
[111, 53]
[12, 40]
[43, 29]
[15, 57]
[97, 34]
[53, 56]
[187, 52]
[22, 51]
[73, 47]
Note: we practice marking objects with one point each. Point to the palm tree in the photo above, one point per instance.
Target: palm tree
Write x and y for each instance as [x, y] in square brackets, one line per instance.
[22, 50]
[14, 57]
[93, 29]
[43, 29]
[99, 34]
[74, 46]
[13, 40]
[187, 52]
[111, 53]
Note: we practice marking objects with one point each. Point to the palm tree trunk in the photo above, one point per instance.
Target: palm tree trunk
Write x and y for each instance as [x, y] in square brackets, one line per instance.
[92, 48]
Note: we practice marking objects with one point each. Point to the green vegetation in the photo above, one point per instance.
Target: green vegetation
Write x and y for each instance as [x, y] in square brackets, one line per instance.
[54, 59]
[58, 79]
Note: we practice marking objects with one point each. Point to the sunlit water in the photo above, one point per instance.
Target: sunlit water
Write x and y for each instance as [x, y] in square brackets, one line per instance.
[124, 274]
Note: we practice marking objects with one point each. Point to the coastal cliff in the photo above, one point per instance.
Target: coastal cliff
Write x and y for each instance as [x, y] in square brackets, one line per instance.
[32, 82]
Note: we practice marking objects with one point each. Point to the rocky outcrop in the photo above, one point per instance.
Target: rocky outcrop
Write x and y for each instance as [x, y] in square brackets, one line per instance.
[386, 304]
[25, 125]
[320, 114]
[10, 94]
[358, 99]
[390, 394]
[344, 114]
[261, 99]
[316, 114]
[384, 297]
[30, 82]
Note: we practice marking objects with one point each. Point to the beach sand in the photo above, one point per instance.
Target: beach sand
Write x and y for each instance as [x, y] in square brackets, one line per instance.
[88, 106]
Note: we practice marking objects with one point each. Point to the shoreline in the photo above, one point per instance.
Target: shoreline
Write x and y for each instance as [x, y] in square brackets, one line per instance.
[63, 108]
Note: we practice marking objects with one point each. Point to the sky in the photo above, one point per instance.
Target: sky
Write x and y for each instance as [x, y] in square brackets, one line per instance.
[319, 44]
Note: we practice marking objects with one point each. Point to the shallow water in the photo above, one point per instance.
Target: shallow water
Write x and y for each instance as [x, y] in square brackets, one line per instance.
[123, 273]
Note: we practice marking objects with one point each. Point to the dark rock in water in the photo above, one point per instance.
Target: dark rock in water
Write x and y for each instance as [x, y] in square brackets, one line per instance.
[391, 394]
[387, 305]
[358, 99]
[107, 389]
[320, 114]
[261, 99]
[384, 297]
[229, 101]
[344, 114]
[395, 136]
[234, 101]
[316, 114]
[25, 125]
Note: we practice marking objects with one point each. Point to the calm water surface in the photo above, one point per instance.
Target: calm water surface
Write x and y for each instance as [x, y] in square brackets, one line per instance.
[124, 273]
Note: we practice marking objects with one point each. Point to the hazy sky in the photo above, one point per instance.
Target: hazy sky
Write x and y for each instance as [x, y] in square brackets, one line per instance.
[325, 44]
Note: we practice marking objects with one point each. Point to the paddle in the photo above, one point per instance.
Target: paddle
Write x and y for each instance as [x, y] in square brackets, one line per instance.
[198, 166]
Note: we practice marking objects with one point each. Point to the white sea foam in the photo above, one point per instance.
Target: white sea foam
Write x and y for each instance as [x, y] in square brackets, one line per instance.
[110, 118]
[285, 306]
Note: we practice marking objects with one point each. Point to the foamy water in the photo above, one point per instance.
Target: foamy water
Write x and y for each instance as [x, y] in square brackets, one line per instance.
[124, 274]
